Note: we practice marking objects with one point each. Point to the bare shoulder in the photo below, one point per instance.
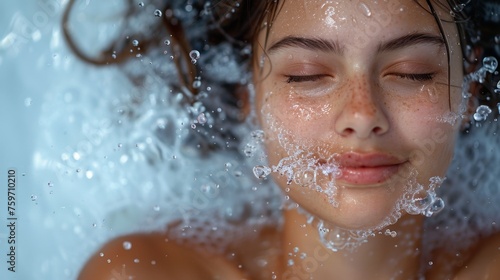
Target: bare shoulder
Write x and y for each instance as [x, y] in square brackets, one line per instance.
[152, 256]
[485, 261]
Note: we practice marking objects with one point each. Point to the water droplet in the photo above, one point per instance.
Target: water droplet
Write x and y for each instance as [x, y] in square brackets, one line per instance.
[433, 94]
[101, 254]
[27, 102]
[141, 4]
[158, 13]
[437, 206]
[34, 197]
[490, 63]
[290, 262]
[89, 174]
[120, 145]
[194, 55]
[167, 42]
[136, 260]
[127, 245]
[156, 208]
[135, 43]
[201, 118]
[261, 171]
[196, 83]
[50, 184]
[391, 233]
[364, 8]
[113, 56]
[94, 225]
[193, 126]
[482, 113]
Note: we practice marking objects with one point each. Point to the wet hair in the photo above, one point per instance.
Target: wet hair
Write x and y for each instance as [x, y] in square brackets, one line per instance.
[236, 24]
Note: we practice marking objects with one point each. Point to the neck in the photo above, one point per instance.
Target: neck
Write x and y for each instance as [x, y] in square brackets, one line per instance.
[382, 257]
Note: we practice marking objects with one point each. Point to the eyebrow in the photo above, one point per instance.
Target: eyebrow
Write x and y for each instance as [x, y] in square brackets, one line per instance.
[313, 44]
[410, 40]
[324, 45]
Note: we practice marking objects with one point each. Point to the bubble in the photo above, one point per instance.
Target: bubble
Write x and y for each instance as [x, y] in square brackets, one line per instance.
[196, 83]
[249, 150]
[305, 178]
[127, 245]
[261, 171]
[167, 42]
[27, 102]
[89, 174]
[193, 126]
[437, 206]
[135, 43]
[490, 64]
[201, 118]
[158, 13]
[482, 113]
[194, 55]
[390, 233]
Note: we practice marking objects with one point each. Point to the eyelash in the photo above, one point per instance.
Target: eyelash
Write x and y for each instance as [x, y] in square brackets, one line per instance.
[299, 79]
[311, 78]
[417, 77]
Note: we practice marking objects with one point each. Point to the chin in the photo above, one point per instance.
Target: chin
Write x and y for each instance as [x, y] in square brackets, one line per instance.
[362, 209]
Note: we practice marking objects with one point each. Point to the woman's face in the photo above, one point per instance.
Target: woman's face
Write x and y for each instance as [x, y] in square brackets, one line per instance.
[353, 98]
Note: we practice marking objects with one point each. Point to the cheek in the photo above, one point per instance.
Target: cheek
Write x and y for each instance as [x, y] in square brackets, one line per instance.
[432, 145]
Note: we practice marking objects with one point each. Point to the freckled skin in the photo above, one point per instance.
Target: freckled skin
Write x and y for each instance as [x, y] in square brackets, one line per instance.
[370, 109]
[359, 104]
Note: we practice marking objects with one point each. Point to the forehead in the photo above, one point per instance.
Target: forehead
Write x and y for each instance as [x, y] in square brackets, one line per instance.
[352, 21]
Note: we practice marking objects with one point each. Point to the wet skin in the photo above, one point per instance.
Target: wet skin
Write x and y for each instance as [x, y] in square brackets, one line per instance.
[360, 86]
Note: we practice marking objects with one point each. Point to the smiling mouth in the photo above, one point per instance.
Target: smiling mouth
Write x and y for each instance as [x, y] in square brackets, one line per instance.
[366, 169]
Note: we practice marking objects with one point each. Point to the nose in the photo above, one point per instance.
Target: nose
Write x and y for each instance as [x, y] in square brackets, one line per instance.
[362, 115]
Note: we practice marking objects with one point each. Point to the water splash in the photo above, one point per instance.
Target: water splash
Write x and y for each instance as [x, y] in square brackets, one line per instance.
[482, 113]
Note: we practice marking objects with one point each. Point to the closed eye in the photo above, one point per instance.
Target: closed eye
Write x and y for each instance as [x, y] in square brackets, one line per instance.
[416, 77]
[299, 79]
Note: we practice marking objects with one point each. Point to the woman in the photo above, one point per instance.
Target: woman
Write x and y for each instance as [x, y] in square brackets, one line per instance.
[360, 104]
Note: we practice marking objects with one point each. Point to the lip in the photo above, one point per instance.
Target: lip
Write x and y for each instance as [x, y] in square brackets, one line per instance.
[367, 169]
